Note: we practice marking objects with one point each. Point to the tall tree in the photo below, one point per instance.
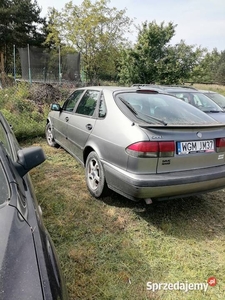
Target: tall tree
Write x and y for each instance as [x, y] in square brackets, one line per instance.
[140, 64]
[93, 29]
[220, 74]
[20, 24]
[206, 70]
[178, 63]
[154, 60]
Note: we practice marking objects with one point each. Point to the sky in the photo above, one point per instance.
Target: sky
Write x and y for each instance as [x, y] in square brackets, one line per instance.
[199, 22]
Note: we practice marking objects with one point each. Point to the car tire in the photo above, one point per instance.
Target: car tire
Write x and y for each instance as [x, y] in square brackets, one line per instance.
[49, 136]
[95, 176]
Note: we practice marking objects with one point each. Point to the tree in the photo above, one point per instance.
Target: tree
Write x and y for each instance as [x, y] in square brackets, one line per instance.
[205, 71]
[93, 29]
[139, 65]
[220, 74]
[20, 23]
[178, 63]
[53, 40]
[154, 60]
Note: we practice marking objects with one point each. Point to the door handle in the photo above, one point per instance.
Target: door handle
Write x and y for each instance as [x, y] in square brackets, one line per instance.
[89, 126]
[67, 119]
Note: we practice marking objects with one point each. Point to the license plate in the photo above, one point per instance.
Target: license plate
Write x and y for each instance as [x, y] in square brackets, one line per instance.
[195, 147]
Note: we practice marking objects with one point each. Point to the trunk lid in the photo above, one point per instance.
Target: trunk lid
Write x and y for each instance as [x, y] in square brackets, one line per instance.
[194, 147]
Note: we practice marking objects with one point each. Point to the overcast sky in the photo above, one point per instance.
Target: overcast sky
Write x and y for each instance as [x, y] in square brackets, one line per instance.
[199, 22]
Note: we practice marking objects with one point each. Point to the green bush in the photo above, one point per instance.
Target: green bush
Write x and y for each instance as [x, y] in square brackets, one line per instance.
[27, 118]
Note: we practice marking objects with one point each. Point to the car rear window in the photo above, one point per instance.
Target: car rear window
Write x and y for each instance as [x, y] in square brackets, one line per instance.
[4, 187]
[161, 108]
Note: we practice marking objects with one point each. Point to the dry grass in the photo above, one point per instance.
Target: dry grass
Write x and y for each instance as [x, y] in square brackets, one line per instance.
[110, 248]
[211, 87]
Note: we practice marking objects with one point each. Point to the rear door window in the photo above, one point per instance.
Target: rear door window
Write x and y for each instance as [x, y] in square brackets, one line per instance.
[88, 103]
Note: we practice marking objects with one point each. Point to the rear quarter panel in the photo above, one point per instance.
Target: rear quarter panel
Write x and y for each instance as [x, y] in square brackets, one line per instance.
[113, 134]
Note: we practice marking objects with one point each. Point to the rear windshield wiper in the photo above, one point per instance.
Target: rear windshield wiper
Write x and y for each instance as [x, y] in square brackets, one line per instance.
[153, 118]
[137, 113]
[128, 105]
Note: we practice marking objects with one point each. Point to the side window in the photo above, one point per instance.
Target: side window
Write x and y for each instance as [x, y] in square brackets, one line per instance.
[72, 100]
[197, 101]
[4, 139]
[102, 108]
[4, 187]
[88, 103]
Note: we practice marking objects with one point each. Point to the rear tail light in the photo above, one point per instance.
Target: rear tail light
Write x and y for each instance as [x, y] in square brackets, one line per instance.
[220, 145]
[151, 149]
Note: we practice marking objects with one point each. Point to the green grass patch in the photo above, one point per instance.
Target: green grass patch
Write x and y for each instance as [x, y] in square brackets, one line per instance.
[110, 248]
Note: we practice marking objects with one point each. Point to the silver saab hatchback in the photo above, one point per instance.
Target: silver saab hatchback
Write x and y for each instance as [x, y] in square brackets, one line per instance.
[143, 144]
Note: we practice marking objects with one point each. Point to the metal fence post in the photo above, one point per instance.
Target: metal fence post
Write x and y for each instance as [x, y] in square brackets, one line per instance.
[28, 57]
[14, 62]
[60, 74]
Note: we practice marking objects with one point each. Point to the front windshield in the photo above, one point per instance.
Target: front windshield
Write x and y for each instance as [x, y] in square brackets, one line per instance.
[4, 187]
[156, 108]
[198, 100]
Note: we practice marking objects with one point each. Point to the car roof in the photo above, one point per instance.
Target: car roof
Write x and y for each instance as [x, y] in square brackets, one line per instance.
[103, 87]
[167, 87]
[120, 88]
[180, 89]
[208, 92]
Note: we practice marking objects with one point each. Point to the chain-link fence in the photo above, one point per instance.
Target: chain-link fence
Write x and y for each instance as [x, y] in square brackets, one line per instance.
[40, 65]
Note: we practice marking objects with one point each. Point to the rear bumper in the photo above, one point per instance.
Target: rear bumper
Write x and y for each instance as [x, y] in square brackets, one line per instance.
[166, 185]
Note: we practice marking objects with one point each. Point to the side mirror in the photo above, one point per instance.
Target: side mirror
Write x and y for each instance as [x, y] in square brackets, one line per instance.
[55, 107]
[29, 158]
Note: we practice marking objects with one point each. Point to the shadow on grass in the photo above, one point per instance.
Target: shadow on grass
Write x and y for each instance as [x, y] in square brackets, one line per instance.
[197, 217]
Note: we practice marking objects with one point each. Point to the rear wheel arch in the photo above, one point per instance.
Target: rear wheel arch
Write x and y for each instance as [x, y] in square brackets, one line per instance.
[86, 152]
[95, 175]
[49, 133]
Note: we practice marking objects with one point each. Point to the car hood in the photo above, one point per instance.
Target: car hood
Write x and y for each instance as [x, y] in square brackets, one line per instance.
[19, 276]
[218, 116]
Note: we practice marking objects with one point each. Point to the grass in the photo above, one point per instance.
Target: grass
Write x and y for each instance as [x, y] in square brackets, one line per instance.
[26, 117]
[211, 87]
[110, 248]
